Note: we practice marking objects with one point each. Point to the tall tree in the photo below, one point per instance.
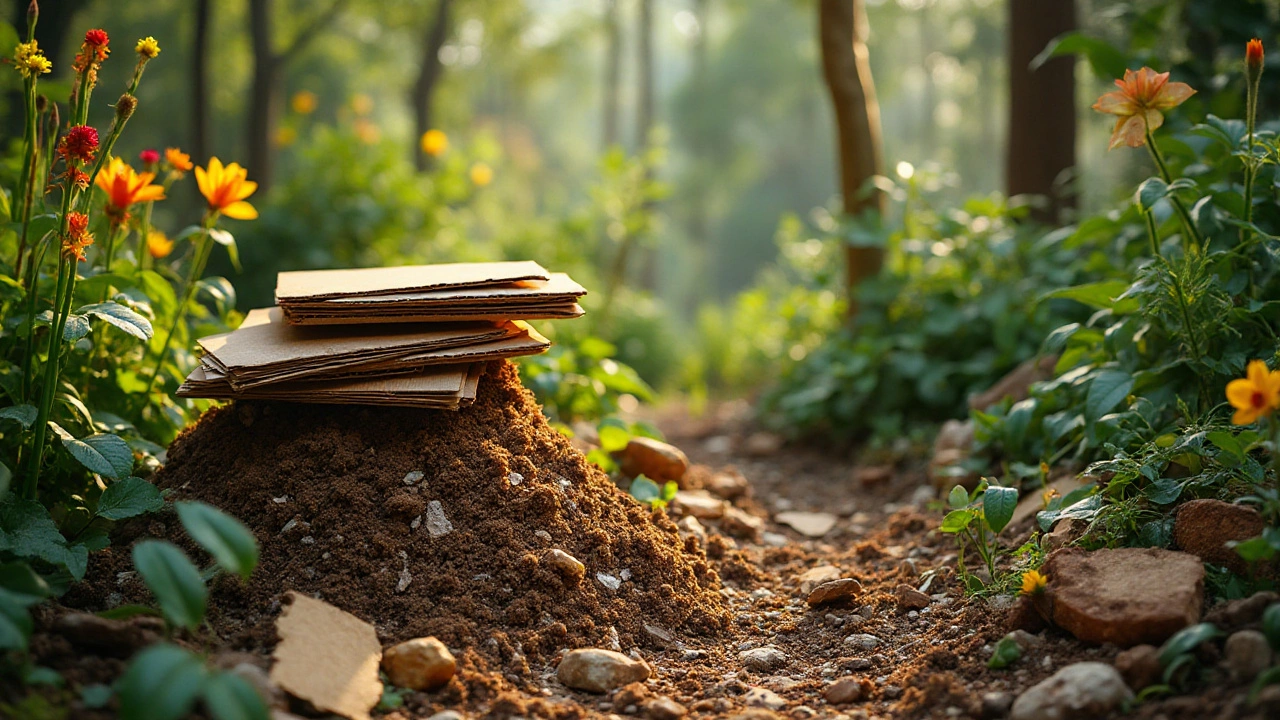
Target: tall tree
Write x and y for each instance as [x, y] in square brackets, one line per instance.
[842, 32]
[269, 65]
[200, 140]
[1042, 106]
[429, 72]
[612, 73]
[644, 74]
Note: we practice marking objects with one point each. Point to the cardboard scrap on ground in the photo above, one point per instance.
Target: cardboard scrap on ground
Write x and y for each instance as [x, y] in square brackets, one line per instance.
[327, 657]
[428, 293]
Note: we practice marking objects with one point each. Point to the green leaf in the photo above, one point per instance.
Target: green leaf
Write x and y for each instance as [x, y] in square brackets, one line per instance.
[15, 623]
[613, 438]
[19, 580]
[1006, 653]
[231, 697]
[669, 490]
[1107, 390]
[227, 240]
[103, 453]
[1150, 192]
[1226, 442]
[162, 683]
[1107, 61]
[1100, 295]
[1271, 625]
[998, 504]
[23, 414]
[77, 327]
[956, 520]
[129, 497]
[1186, 640]
[645, 490]
[958, 498]
[1163, 491]
[27, 531]
[96, 697]
[174, 581]
[224, 537]
[122, 317]
[158, 290]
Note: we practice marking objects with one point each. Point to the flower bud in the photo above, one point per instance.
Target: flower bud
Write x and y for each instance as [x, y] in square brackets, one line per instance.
[125, 106]
[33, 12]
[42, 103]
[1253, 60]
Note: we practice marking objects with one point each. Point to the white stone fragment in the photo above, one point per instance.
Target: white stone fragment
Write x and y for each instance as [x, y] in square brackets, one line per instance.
[437, 523]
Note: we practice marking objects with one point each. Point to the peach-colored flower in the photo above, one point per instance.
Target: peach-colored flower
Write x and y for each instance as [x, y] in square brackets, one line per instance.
[1140, 104]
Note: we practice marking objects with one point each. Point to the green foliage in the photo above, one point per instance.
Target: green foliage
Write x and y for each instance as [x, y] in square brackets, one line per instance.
[1006, 653]
[976, 520]
[581, 381]
[164, 682]
[173, 580]
[647, 491]
[1177, 655]
[947, 318]
[230, 543]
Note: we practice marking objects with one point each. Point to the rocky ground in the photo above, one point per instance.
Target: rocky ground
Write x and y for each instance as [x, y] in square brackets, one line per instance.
[843, 602]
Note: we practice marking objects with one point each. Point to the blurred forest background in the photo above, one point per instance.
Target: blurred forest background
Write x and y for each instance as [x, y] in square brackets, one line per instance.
[680, 157]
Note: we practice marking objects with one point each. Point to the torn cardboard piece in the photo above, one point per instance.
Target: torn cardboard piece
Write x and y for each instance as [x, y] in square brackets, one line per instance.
[453, 314]
[310, 285]
[327, 657]
[444, 387]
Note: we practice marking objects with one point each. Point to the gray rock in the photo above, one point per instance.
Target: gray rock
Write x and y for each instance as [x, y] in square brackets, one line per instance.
[843, 691]
[437, 524]
[996, 704]
[664, 708]
[763, 697]
[1139, 665]
[1247, 654]
[763, 659]
[599, 671]
[863, 640]
[1082, 691]
[448, 715]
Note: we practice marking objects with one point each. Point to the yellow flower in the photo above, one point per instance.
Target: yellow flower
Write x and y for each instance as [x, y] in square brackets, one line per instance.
[29, 61]
[362, 104]
[147, 47]
[225, 189]
[177, 160]
[1033, 582]
[1140, 104]
[304, 102]
[1255, 395]
[286, 136]
[158, 244]
[434, 142]
[481, 174]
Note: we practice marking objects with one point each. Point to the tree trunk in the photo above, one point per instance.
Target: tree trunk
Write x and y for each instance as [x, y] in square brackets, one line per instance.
[429, 72]
[699, 224]
[644, 74]
[612, 74]
[264, 97]
[1042, 107]
[200, 140]
[842, 30]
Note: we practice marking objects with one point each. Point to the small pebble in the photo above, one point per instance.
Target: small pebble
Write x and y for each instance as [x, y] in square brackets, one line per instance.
[414, 477]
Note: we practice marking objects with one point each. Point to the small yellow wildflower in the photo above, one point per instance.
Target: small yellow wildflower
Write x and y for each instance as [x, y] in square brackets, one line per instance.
[29, 61]
[158, 244]
[434, 142]
[1255, 395]
[286, 136]
[304, 102]
[1033, 582]
[1048, 495]
[147, 47]
[481, 174]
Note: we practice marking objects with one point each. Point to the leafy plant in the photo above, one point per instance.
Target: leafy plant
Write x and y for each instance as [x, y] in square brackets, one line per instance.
[976, 520]
[647, 491]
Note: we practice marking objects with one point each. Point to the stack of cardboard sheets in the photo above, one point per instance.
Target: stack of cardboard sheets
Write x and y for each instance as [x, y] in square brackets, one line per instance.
[409, 336]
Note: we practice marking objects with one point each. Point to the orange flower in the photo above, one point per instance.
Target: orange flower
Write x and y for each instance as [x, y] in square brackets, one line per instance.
[1255, 395]
[125, 187]
[1253, 54]
[158, 244]
[434, 142]
[177, 160]
[225, 188]
[1140, 104]
[78, 236]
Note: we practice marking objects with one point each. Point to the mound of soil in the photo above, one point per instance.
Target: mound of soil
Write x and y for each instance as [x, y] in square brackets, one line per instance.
[438, 523]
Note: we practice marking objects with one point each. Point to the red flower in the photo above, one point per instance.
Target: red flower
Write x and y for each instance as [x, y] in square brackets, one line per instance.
[79, 144]
[96, 38]
[149, 157]
[1253, 60]
[78, 236]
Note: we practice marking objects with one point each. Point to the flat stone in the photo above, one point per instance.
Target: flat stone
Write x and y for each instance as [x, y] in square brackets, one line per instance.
[809, 524]
[763, 697]
[813, 577]
[1204, 527]
[436, 522]
[843, 691]
[699, 504]
[869, 475]
[1083, 691]
[663, 708]
[834, 591]
[569, 567]
[741, 524]
[654, 459]
[728, 484]
[1139, 666]
[910, 598]
[1247, 654]
[763, 659]
[419, 664]
[599, 671]
[762, 444]
[1125, 596]
[863, 640]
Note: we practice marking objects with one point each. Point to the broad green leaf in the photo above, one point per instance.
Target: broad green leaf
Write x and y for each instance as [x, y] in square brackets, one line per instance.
[958, 498]
[77, 327]
[1226, 442]
[998, 504]
[1006, 653]
[956, 520]
[158, 290]
[227, 240]
[1151, 191]
[224, 537]
[1107, 61]
[129, 497]
[1186, 640]
[231, 697]
[122, 317]
[669, 490]
[25, 415]
[15, 622]
[174, 581]
[20, 581]
[1163, 491]
[613, 438]
[96, 697]
[27, 531]
[103, 453]
[645, 490]
[162, 683]
[1100, 295]
[1107, 390]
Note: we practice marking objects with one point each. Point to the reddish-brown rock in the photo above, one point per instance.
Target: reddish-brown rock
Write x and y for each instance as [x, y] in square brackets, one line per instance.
[910, 598]
[654, 459]
[1140, 666]
[1125, 596]
[1204, 527]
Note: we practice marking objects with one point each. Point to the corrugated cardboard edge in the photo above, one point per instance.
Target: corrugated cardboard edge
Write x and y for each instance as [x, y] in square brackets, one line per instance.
[324, 284]
[327, 657]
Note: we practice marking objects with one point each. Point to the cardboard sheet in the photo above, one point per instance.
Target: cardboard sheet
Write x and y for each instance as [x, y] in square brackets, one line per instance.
[443, 387]
[327, 657]
[320, 284]
[451, 314]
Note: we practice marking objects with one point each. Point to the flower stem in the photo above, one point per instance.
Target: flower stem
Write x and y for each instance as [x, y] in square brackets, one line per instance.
[1151, 234]
[30, 149]
[1193, 234]
[203, 248]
